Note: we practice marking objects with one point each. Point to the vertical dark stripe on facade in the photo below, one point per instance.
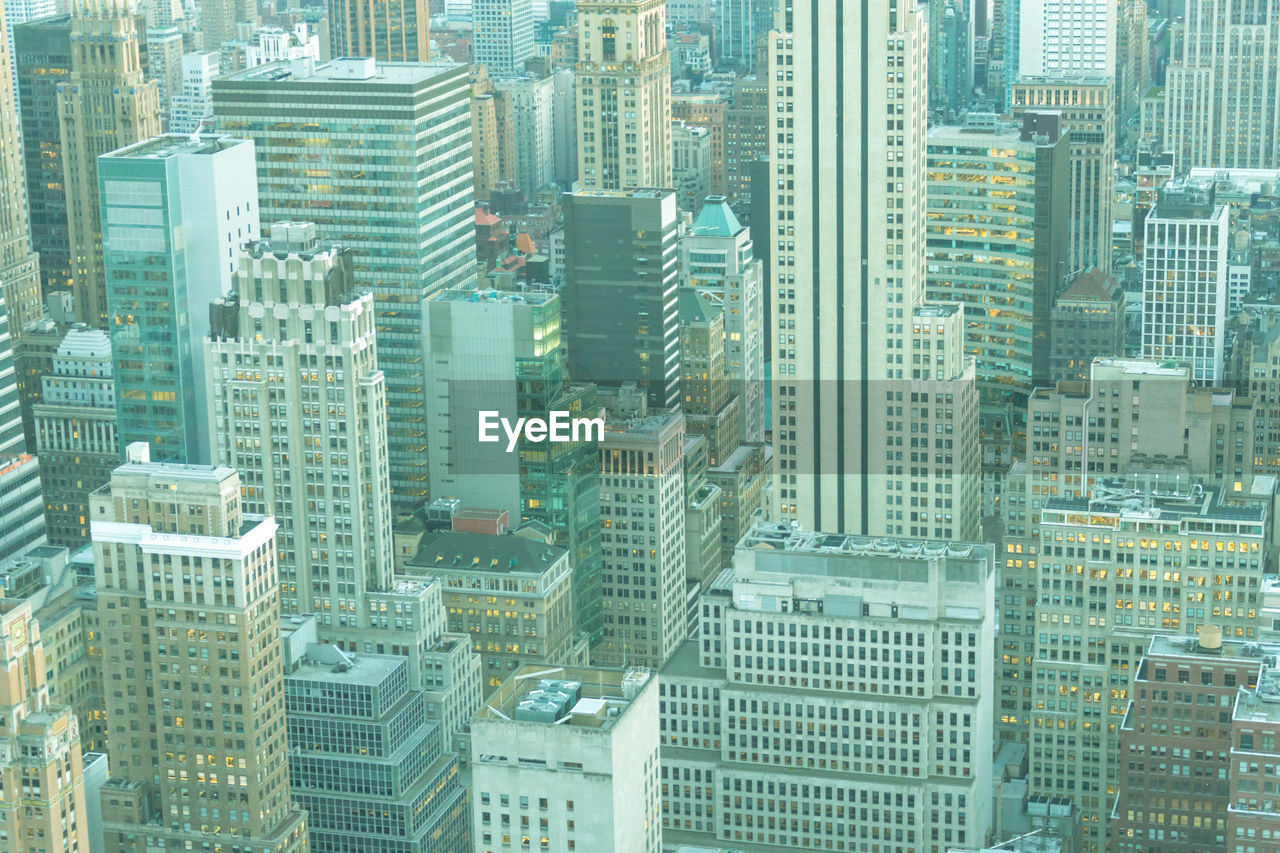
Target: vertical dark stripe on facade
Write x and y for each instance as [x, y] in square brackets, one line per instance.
[814, 278]
[839, 312]
[865, 290]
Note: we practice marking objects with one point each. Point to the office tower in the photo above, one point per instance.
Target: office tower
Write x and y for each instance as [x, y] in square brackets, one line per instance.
[1087, 323]
[707, 110]
[393, 31]
[710, 407]
[702, 557]
[502, 35]
[740, 25]
[746, 136]
[532, 620]
[741, 480]
[19, 266]
[291, 364]
[162, 13]
[1133, 63]
[1088, 113]
[369, 768]
[105, 105]
[951, 39]
[62, 601]
[42, 57]
[1185, 810]
[214, 600]
[426, 240]
[621, 251]
[33, 357]
[75, 428]
[273, 44]
[485, 151]
[642, 590]
[996, 243]
[621, 148]
[191, 108]
[1067, 38]
[177, 209]
[503, 352]
[21, 504]
[1178, 560]
[41, 743]
[565, 118]
[164, 65]
[717, 256]
[845, 271]
[1222, 93]
[899, 754]
[1184, 282]
[1154, 170]
[528, 122]
[690, 164]
[19, 12]
[589, 775]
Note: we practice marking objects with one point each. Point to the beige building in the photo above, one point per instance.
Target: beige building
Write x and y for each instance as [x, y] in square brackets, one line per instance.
[190, 598]
[1088, 112]
[104, 106]
[708, 110]
[623, 95]
[19, 266]
[511, 595]
[41, 771]
[487, 152]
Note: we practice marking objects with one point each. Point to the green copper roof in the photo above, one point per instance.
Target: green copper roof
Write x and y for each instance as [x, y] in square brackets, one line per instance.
[716, 219]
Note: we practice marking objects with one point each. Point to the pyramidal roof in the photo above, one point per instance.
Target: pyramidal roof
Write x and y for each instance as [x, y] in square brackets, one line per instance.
[716, 219]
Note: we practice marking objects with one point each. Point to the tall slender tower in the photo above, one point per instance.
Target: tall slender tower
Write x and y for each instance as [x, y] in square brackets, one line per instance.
[190, 583]
[847, 156]
[624, 95]
[19, 266]
[386, 30]
[105, 105]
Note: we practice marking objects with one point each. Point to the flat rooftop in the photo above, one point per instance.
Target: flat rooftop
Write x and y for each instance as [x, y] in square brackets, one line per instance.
[457, 551]
[489, 295]
[358, 670]
[780, 536]
[175, 144]
[1118, 497]
[1189, 647]
[604, 695]
[343, 72]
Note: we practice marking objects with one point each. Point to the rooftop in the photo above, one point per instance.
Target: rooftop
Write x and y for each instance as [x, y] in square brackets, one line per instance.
[480, 552]
[581, 697]
[1175, 499]
[535, 298]
[328, 664]
[342, 72]
[1093, 284]
[780, 536]
[716, 219]
[175, 144]
[1190, 647]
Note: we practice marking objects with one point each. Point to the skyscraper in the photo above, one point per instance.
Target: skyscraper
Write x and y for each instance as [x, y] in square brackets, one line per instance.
[621, 251]
[385, 30]
[105, 105]
[502, 35]
[177, 209]
[848, 254]
[624, 95]
[190, 109]
[292, 366]
[415, 237]
[526, 117]
[1184, 279]
[1088, 113]
[19, 266]
[1059, 38]
[211, 599]
[43, 60]
[1222, 98]
[19, 12]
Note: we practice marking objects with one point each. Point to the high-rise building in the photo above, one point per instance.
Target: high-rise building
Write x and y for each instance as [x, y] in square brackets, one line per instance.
[485, 151]
[1172, 559]
[211, 599]
[746, 136]
[690, 164]
[372, 772]
[623, 84]
[502, 35]
[392, 31]
[1059, 38]
[191, 107]
[706, 110]
[1088, 113]
[847, 254]
[19, 12]
[951, 41]
[1133, 61]
[273, 44]
[1088, 322]
[996, 243]
[291, 363]
[527, 118]
[19, 266]
[425, 239]
[1222, 93]
[710, 407]
[42, 57]
[164, 65]
[219, 20]
[717, 256]
[105, 105]
[740, 25]
[621, 250]
[75, 429]
[21, 504]
[567, 759]
[177, 209]
[880, 705]
[643, 573]
[1184, 290]
[41, 742]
